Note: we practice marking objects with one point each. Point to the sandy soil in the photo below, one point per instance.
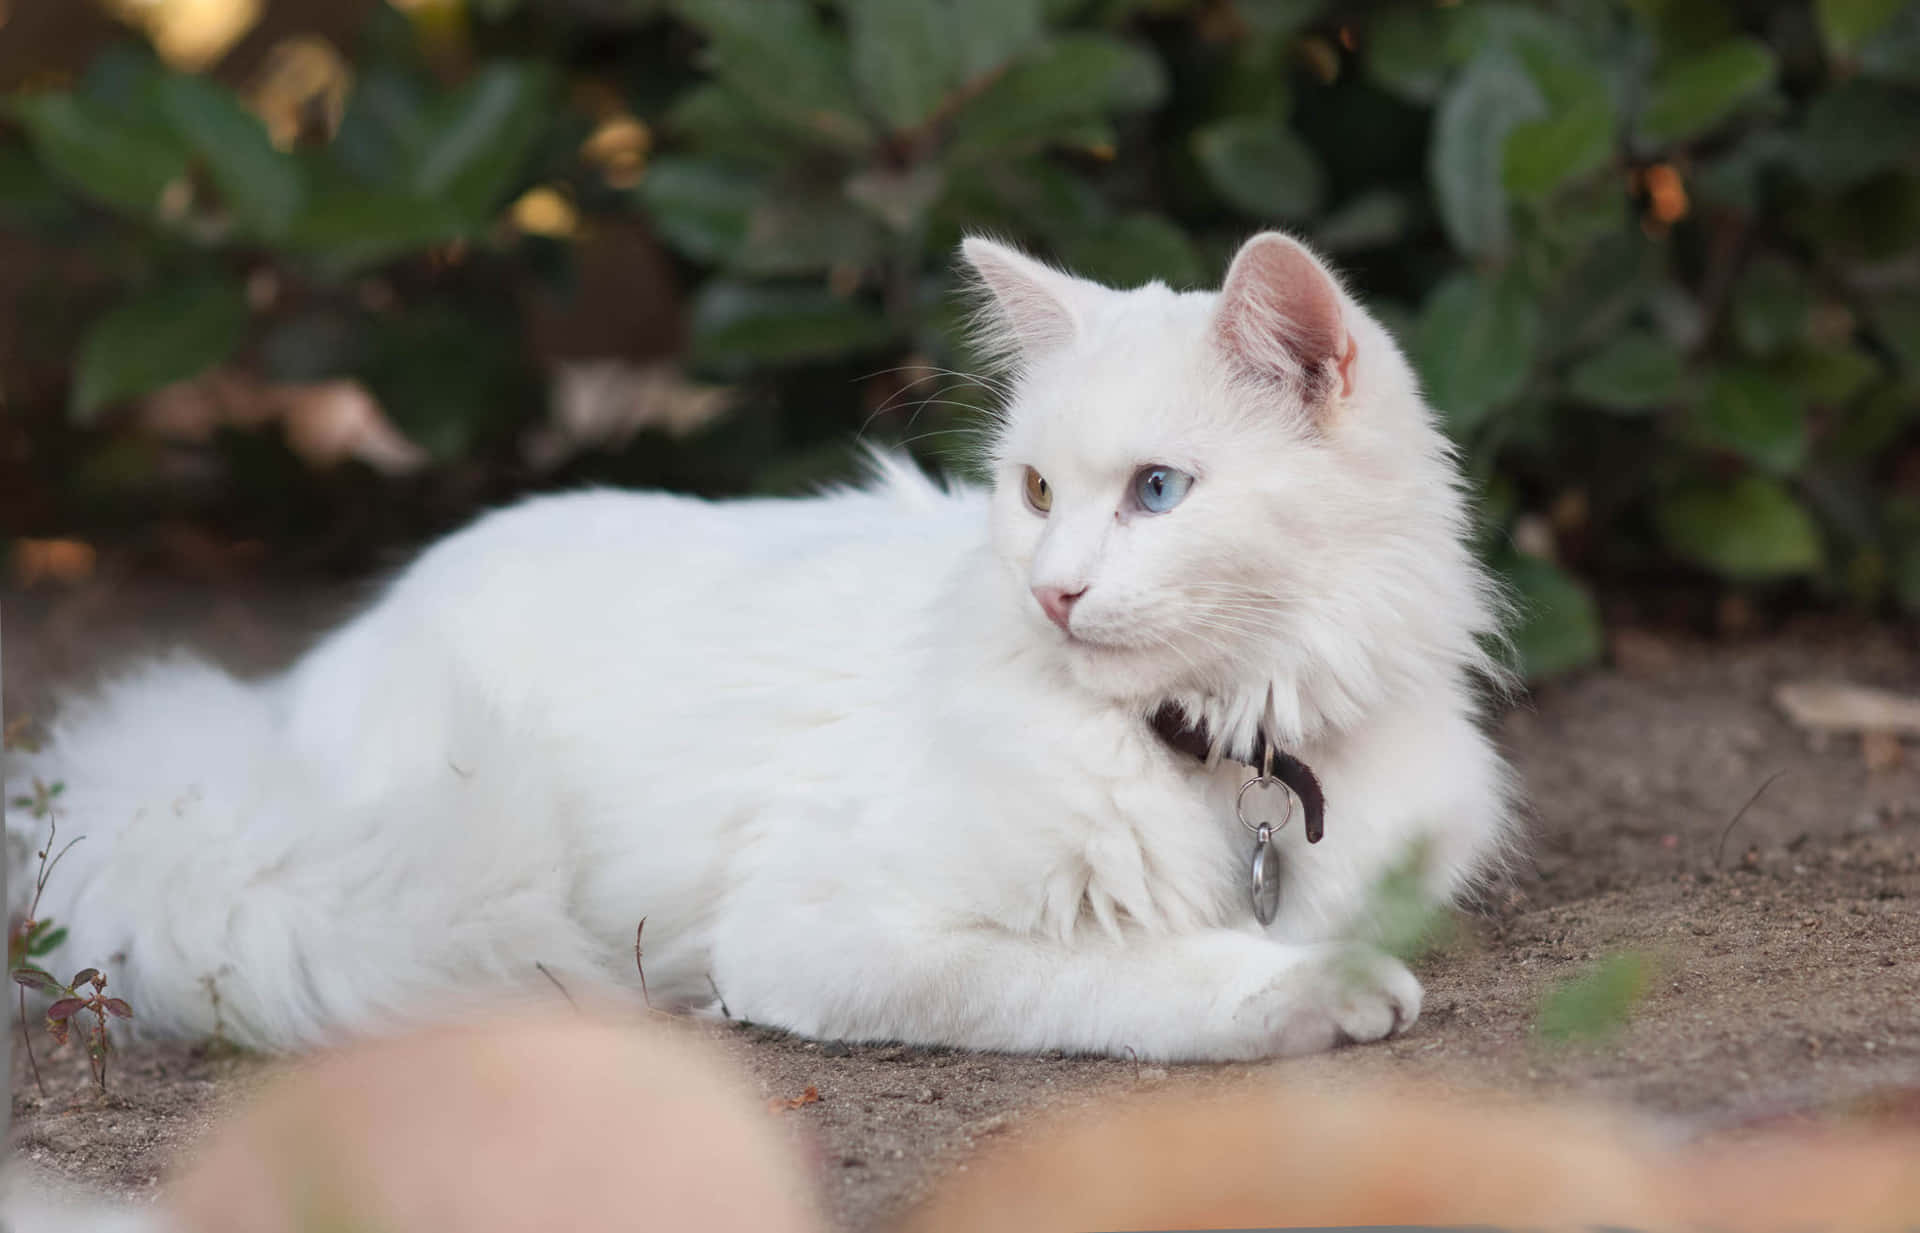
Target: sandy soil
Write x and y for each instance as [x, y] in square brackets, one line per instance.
[1787, 955]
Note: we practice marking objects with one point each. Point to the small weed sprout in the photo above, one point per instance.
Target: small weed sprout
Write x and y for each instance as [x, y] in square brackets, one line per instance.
[1596, 1003]
[35, 937]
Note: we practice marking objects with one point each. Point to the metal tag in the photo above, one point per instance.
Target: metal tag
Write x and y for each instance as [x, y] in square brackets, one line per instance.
[1266, 859]
[1266, 877]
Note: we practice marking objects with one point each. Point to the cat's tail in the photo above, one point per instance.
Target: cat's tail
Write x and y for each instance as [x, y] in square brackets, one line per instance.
[224, 885]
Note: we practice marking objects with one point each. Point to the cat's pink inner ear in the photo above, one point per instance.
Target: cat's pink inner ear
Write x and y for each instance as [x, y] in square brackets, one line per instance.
[1034, 300]
[1280, 318]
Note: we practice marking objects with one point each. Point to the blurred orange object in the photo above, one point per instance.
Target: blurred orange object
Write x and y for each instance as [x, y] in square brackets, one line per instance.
[518, 1126]
[1263, 1154]
[63, 561]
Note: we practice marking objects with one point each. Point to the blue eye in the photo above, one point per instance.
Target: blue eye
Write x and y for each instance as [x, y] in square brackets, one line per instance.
[1159, 489]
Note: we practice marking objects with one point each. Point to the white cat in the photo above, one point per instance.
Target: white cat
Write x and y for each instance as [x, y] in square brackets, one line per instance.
[872, 765]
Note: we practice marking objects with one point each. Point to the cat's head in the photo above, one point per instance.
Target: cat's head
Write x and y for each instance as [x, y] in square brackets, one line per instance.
[1200, 494]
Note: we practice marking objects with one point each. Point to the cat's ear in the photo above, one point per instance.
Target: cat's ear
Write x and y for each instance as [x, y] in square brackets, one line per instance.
[1280, 318]
[1032, 309]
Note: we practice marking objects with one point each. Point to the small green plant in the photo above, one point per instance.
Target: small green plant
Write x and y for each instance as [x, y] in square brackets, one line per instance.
[35, 937]
[1596, 1003]
[1406, 919]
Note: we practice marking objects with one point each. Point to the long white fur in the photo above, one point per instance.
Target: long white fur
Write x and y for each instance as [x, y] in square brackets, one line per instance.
[831, 749]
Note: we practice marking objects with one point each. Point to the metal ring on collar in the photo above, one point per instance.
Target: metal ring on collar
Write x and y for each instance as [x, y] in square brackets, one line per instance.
[1262, 781]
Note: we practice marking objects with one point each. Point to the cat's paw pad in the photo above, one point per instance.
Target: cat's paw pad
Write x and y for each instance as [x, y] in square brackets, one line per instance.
[1349, 995]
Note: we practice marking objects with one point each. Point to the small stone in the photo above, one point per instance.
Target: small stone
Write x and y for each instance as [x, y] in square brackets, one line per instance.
[925, 1096]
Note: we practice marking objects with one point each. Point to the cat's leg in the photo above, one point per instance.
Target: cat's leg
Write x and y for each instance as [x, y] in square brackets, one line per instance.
[1212, 995]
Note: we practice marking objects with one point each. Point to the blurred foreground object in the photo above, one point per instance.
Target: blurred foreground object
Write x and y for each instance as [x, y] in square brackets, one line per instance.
[1264, 1154]
[524, 1124]
[562, 1122]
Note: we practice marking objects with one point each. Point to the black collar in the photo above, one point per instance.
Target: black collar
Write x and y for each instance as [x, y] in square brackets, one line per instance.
[1195, 741]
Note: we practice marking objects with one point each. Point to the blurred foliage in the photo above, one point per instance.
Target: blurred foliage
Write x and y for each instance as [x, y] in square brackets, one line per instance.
[1595, 1003]
[1658, 261]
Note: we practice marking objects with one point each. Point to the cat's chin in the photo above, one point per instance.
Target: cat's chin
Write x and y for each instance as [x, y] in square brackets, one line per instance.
[1122, 672]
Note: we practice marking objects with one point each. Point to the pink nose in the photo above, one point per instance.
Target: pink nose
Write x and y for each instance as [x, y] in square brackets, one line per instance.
[1057, 603]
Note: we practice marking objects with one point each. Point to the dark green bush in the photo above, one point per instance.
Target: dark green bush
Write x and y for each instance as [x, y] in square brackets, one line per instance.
[1658, 261]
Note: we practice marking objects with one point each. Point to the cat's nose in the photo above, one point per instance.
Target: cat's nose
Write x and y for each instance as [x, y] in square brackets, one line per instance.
[1057, 603]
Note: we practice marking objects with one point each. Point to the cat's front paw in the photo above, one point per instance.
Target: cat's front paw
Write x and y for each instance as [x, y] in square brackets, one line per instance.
[1327, 997]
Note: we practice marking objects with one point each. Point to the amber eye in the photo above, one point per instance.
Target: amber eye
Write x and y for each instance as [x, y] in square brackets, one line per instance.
[1039, 493]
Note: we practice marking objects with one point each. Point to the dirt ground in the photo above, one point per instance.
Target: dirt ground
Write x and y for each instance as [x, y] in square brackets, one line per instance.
[1787, 950]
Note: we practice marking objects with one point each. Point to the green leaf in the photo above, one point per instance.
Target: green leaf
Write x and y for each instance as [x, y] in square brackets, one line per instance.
[160, 336]
[28, 194]
[1871, 425]
[478, 138]
[1693, 95]
[1894, 54]
[1028, 196]
[1559, 627]
[1845, 24]
[1371, 220]
[989, 33]
[1408, 51]
[1897, 319]
[1403, 916]
[385, 127]
[1771, 303]
[805, 232]
[699, 205]
[99, 152]
[1260, 167]
[719, 122]
[1826, 376]
[1575, 137]
[1466, 162]
[263, 187]
[1854, 132]
[1134, 250]
[1751, 530]
[1603, 288]
[1597, 1003]
[1636, 371]
[1071, 80]
[910, 56]
[1474, 346]
[1541, 155]
[346, 228]
[48, 943]
[1750, 412]
[745, 322]
[781, 57]
[450, 376]
[904, 57]
[1277, 18]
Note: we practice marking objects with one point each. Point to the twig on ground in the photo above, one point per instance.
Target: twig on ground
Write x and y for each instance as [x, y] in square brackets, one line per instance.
[26, 1038]
[1720, 848]
[642, 967]
[556, 983]
[42, 806]
[713, 985]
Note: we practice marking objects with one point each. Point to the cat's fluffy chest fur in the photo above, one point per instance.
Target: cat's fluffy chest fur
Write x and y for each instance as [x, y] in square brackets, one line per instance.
[871, 765]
